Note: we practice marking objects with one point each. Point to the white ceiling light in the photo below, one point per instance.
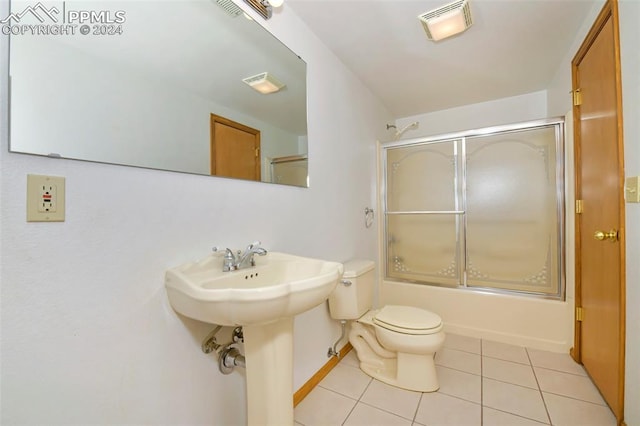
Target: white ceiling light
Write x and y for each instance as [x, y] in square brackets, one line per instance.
[264, 7]
[447, 20]
[264, 83]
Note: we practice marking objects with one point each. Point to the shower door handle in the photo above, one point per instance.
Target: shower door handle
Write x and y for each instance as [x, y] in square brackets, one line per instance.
[610, 236]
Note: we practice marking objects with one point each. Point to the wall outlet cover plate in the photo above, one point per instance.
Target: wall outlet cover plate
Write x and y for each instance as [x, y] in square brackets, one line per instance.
[632, 189]
[45, 198]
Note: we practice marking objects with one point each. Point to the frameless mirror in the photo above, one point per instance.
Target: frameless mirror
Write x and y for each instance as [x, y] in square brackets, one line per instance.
[156, 84]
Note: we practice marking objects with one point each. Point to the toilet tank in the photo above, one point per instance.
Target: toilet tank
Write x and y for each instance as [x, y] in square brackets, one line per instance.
[353, 296]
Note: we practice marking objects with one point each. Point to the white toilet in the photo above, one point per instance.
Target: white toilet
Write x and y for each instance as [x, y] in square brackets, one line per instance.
[395, 344]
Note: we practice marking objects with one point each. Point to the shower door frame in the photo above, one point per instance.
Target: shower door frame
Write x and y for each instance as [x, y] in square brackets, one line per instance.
[459, 138]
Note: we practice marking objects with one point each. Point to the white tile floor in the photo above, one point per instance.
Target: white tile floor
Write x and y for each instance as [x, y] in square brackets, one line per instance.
[481, 383]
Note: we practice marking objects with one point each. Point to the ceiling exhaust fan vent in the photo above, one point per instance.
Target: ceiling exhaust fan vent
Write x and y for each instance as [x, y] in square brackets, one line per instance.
[264, 83]
[458, 10]
[229, 7]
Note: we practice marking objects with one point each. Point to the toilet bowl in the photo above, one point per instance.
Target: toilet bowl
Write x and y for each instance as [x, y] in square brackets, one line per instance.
[394, 344]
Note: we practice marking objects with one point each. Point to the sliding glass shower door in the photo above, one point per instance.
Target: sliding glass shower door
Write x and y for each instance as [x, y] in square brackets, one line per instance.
[424, 212]
[481, 210]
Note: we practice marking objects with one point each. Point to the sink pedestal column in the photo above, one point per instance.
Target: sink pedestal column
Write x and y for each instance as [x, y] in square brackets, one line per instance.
[269, 367]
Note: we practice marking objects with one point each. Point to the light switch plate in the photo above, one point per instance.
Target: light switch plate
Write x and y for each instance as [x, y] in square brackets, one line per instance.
[632, 189]
[45, 198]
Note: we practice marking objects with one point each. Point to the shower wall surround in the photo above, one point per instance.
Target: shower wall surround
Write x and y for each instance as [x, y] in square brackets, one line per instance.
[479, 209]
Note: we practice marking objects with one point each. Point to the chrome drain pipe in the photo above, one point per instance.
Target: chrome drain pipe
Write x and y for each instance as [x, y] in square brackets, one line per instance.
[229, 358]
[333, 351]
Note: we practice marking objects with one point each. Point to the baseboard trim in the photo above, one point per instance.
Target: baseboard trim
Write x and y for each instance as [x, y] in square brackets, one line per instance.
[316, 378]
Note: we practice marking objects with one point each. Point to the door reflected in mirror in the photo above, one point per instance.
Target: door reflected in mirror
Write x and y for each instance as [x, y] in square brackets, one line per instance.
[235, 149]
[138, 84]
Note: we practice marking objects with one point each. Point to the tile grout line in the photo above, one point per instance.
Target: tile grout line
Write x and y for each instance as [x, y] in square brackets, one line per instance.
[457, 369]
[460, 350]
[508, 360]
[546, 409]
[555, 370]
[481, 385]
[578, 399]
[518, 415]
[337, 393]
[460, 398]
[371, 379]
[357, 401]
[512, 384]
[386, 411]
[350, 411]
[496, 357]
[415, 414]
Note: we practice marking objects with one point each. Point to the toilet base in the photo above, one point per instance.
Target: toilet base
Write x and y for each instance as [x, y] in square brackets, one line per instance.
[415, 372]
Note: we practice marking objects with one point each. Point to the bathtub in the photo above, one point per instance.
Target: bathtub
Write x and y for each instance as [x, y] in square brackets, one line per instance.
[518, 320]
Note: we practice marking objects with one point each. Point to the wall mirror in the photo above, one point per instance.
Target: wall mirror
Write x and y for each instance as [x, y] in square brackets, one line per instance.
[156, 84]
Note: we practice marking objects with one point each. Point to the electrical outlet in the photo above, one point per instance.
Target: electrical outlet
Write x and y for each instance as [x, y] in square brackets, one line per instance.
[48, 198]
[45, 198]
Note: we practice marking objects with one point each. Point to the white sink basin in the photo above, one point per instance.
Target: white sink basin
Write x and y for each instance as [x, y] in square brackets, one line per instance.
[279, 286]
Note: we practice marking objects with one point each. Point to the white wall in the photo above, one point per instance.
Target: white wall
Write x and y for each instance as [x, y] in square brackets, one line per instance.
[629, 42]
[515, 109]
[87, 333]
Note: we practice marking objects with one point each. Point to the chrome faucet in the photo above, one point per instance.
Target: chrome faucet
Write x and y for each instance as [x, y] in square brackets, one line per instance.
[233, 262]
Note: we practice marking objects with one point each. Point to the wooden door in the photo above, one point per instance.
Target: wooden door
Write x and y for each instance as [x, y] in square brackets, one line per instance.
[235, 149]
[600, 283]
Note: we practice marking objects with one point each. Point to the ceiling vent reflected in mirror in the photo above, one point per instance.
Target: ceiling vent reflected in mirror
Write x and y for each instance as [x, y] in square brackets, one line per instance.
[230, 7]
[447, 20]
[264, 83]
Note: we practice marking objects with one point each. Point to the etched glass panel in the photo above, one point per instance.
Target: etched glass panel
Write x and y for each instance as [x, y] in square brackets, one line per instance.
[422, 177]
[512, 227]
[423, 248]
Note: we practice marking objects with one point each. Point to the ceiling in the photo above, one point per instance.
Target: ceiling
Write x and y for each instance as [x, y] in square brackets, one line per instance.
[513, 47]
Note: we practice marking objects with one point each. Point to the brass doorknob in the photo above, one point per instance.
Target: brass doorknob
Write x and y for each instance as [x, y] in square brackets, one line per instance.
[611, 235]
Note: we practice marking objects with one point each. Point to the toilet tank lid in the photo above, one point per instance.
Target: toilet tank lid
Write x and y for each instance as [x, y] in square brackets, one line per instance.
[356, 267]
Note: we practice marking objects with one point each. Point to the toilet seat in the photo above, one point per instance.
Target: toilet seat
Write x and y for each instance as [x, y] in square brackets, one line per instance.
[408, 320]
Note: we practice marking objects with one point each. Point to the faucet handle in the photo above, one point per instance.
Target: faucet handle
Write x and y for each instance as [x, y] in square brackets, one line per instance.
[215, 249]
[254, 244]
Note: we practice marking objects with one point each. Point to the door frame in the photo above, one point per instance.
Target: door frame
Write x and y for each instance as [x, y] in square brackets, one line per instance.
[609, 11]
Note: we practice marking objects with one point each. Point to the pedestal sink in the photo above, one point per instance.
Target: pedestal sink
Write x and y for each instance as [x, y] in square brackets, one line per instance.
[263, 300]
